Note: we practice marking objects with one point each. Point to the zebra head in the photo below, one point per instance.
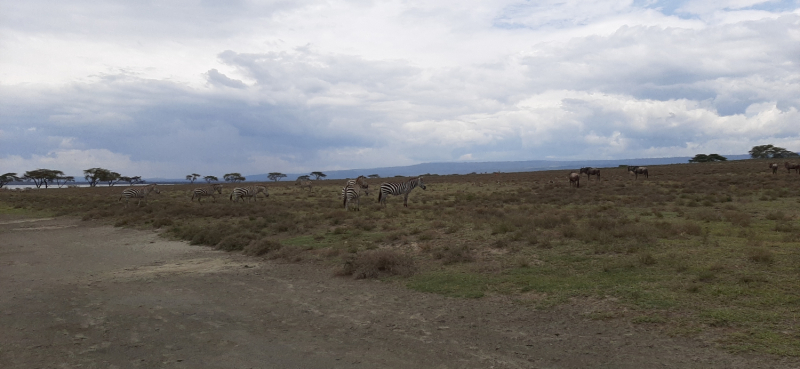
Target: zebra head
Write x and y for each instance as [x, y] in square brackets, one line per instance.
[420, 184]
[262, 189]
[217, 188]
[154, 188]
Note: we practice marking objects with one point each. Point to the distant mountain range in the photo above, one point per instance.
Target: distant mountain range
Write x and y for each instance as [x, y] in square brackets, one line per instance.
[482, 167]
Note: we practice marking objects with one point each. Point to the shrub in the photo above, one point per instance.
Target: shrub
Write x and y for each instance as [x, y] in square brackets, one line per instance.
[760, 255]
[261, 246]
[378, 263]
[236, 241]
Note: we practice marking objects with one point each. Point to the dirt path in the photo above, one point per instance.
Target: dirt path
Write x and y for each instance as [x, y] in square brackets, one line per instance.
[73, 294]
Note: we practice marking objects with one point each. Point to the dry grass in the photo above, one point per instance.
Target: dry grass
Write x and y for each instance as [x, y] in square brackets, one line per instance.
[712, 248]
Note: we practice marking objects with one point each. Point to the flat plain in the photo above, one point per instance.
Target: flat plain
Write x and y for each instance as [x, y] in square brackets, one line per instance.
[698, 262]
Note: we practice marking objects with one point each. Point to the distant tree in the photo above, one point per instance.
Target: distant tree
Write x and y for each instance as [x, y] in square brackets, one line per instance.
[233, 177]
[192, 177]
[42, 176]
[210, 179]
[63, 180]
[303, 178]
[770, 152]
[318, 175]
[703, 158]
[8, 178]
[95, 175]
[131, 180]
[374, 176]
[276, 176]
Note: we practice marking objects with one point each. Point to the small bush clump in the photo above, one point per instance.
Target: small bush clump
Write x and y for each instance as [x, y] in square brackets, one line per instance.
[379, 263]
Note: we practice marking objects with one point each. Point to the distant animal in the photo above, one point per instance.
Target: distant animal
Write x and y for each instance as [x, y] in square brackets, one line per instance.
[575, 178]
[590, 172]
[211, 191]
[399, 188]
[249, 192]
[636, 170]
[789, 166]
[774, 167]
[138, 193]
[353, 194]
[304, 183]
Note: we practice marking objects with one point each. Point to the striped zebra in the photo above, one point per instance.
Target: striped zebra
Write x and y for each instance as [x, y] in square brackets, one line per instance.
[207, 191]
[138, 193]
[360, 182]
[351, 194]
[399, 188]
[250, 192]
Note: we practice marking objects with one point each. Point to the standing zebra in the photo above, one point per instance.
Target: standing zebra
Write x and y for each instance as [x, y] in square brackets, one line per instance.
[636, 170]
[138, 193]
[207, 191]
[360, 182]
[353, 193]
[250, 192]
[590, 172]
[399, 188]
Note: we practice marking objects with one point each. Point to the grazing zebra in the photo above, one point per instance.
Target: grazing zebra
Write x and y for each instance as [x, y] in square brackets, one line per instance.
[360, 182]
[774, 167]
[351, 194]
[303, 183]
[249, 192]
[789, 166]
[138, 193]
[590, 172]
[399, 188]
[575, 178]
[636, 170]
[207, 191]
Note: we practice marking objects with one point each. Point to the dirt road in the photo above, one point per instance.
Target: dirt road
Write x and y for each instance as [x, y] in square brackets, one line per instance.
[74, 294]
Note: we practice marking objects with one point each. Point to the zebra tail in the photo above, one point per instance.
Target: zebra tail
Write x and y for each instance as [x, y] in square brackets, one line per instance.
[345, 200]
[380, 194]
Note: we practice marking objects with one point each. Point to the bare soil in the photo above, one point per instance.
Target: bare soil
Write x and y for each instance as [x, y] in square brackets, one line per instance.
[77, 294]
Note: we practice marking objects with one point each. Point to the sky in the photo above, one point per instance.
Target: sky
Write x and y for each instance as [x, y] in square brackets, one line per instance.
[170, 88]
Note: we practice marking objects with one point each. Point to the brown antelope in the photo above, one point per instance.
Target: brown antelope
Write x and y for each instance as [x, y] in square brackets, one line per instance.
[789, 166]
[774, 167]
[636, 170]
[590, 172]
[575, 178]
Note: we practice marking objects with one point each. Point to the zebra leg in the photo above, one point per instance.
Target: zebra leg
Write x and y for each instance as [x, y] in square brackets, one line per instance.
[405, 199]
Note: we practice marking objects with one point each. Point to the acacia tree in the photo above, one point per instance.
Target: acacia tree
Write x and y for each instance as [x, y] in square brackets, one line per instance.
[770, 152]
[233, 177]
[192, 177]
[7, 178]
[131, 180]
[110, 178]
[42, 176]
[63, 180]
[210, 179]
[703, 158]
[374, 176]
[303, 178]
[318, 175]
[94, 175]
[276, 176]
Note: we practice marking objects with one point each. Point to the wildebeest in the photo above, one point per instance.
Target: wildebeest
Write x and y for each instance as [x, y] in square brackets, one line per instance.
[590, 172]
[789, 166]
[636, 170]
[774, 167]
[575, 178]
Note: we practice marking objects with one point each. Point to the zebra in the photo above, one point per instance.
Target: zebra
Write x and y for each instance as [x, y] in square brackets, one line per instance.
[774, 167]
[590, 172]
[303, 183]
[353, 193]
[636, 170]
[138, 193]
[249, 192]
[361, 182]
[207, 191]
[575, 178]
[789, 166]
[399, 188]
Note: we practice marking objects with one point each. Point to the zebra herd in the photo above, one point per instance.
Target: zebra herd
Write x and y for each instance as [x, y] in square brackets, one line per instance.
[351, 193]
[575, 178]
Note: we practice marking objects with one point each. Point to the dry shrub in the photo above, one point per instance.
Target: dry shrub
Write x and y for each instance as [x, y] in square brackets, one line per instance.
[777, 215]
[688, 228]
[738, 218]
[262, 246]
[378, 263]
[454, 254]
[236, 242]
[706, 215]
[550, 221]
[162, 221]
[760, 255]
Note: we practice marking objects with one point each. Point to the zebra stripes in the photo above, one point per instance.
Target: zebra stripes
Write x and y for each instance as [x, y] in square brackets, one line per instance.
[360, 182]
[207, 191]
[351, 194]
[399, 188]
[249, 192]
[138, 193]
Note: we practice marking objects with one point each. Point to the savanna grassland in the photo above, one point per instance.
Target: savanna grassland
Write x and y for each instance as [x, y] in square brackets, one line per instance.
[706, 250]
